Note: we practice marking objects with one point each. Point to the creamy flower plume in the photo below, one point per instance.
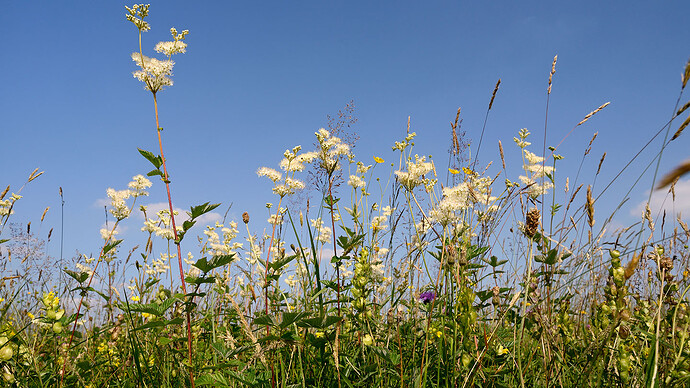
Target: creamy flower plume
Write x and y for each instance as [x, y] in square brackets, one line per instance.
[154, 73]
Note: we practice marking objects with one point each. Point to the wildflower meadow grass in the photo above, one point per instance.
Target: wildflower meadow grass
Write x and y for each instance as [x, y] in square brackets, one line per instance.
[401, 273]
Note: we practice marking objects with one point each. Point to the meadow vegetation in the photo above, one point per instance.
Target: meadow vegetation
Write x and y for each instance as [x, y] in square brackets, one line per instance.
[366, 273]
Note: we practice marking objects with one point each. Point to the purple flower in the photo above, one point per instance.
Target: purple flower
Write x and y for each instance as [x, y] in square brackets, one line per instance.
[427, 297]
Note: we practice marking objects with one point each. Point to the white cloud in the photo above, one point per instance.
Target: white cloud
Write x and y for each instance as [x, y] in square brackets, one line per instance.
[663, 200]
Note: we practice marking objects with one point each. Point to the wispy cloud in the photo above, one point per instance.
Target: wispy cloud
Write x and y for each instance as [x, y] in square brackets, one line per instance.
[662, 200]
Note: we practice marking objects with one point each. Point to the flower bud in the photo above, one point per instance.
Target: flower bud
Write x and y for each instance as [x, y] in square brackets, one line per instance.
[6, 353]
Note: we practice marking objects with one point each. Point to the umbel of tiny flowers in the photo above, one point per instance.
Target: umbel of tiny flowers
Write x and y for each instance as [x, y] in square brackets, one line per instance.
[155, 73]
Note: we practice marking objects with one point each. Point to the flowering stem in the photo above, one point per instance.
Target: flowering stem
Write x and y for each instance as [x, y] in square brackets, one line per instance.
[177, 242]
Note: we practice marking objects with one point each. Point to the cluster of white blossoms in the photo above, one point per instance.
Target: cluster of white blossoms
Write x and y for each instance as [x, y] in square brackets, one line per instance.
[331, 149]
[474, 191]
[401, 145]
[155, 73]
[158, 266]
[535, 170]
[291, 163]
[118, 198]
[7, 204]
[138, 185]
[357, 180]
[177, 46]
[277, 217]
[226, 246]
[324, 231]
[294, 162]
[118, 202]
[378, 224]
[414, 176]
[107, 234]
[270, 173]
[162, 227]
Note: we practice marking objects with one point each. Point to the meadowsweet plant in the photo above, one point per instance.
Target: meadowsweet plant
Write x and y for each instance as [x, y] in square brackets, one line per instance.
[360, 273]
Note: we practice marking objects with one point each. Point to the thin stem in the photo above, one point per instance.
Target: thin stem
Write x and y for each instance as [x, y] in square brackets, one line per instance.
[177, 241]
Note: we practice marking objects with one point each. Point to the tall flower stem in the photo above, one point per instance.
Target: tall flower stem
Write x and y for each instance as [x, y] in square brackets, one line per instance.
[177, 242]
[337, 275]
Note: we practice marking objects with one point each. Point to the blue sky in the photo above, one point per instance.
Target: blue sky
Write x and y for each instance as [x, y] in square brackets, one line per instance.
[260, 77]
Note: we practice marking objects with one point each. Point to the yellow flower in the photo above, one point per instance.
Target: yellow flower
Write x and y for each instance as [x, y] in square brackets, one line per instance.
[367, 340]
[439, 333]
[31, 316]
[453, 171]
[501, 350]
[135, 298]
[378, 160]
[146, 315]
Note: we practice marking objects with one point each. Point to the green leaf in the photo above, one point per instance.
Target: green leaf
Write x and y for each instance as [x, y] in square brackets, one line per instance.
[197, 211]
[80, 277]
[188, 225]
[265, 320]
[4, 241]
[200, 280]
[155, 173]
[203, 265]
[290, 318]
[110, 246]
[174, 321]
[156, 160]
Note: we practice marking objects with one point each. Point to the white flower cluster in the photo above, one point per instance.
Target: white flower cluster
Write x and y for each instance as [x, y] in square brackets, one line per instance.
[270, 173]
[277, 218]
[414, 176]
[136, 15]
[324, 231]
[118, 202]
[154, 73]
[291, 163]
[158, 266]
[475, 190]
[535, 171]
[174, 47]
[331, 150]
[138, 185]
[218, 247]
[378, 223]
[7, 204]
[162, 227]
[401, 145]
[294, 162]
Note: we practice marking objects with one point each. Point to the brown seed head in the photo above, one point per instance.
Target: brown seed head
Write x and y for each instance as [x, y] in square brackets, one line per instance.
[245, 217]
[532, 221]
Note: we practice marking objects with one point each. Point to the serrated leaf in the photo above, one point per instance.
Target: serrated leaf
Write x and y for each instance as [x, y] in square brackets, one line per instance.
[188, 225]
[290, 318]
[80, 277]
[156, 160]
[264, 320]
[197, 211]
[110, 246]
[155, 173]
